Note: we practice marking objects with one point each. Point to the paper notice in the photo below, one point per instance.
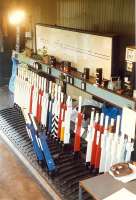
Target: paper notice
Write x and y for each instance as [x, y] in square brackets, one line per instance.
[122, 194]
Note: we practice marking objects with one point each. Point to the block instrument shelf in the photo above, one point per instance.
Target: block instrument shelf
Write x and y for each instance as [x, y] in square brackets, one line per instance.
[98, 92]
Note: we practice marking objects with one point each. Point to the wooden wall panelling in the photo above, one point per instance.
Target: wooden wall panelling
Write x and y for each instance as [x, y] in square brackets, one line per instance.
[116, 16]
[97, 15]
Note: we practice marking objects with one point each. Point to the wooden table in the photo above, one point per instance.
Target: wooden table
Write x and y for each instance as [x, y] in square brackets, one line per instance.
[104, 185]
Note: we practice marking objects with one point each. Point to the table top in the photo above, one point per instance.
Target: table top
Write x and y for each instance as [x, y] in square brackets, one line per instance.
[104, 185]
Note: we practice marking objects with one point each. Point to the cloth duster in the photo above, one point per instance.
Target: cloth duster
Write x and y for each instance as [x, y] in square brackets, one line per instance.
[103, 145]
[51, 100]
[98, 142]
[96, 127]
[67, 121]
[115, 141]
[78, 126]
[61, 113]
[45, 104]
[54, 109]
[89, 137]
[109, 141]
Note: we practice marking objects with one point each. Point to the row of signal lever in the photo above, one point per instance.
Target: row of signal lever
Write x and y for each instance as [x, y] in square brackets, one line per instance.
[44, 104]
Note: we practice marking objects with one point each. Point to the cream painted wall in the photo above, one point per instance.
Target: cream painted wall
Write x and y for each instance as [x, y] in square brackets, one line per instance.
[75, 93]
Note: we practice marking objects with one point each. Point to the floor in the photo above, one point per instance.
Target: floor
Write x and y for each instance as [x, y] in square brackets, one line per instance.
[6, 97]
[16, 183]
[5, 67]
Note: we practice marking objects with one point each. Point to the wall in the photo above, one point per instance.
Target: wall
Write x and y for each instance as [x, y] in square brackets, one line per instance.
[41, 11]
[103, 16]
[98, 15]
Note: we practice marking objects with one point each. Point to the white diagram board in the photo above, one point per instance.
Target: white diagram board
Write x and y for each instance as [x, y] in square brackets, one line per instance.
[82, 49]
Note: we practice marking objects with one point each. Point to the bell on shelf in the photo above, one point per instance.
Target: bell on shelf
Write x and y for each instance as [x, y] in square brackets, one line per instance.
[87, 73]
[98, 76]
[111, 85]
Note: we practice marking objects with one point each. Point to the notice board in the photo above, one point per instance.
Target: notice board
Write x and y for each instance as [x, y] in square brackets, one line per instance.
[81, 48]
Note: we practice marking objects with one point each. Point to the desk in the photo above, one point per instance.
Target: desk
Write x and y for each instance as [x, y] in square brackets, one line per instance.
[104, 185]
